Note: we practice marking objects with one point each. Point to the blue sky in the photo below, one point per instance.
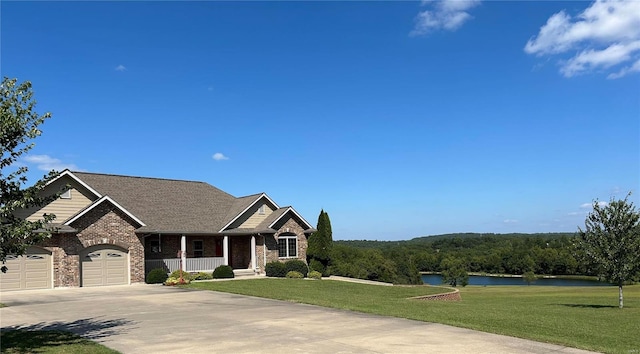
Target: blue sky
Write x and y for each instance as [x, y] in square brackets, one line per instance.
[401, 119]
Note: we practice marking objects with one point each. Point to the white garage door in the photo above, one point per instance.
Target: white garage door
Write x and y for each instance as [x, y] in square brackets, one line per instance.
[104, 265]
[31, 271]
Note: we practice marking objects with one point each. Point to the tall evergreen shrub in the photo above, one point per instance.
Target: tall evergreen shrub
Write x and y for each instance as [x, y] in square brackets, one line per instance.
[320, 243]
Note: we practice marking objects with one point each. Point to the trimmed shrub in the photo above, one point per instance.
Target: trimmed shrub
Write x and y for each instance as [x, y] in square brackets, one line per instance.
[176, 281]
[315, 275]
[202, 276]
[223, 271]
[294, 275]
[185, 275]
[319, 267]
[156, 276]
[296, 265]
[275, 269]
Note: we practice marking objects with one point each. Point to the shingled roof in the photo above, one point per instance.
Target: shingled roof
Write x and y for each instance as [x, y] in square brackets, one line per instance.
[167, 205]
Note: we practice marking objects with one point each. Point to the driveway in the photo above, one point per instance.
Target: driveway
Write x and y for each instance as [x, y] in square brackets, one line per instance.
[159, 319]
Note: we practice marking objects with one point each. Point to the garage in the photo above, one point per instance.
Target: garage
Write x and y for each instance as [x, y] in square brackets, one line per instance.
[31, 271]
[104, 265]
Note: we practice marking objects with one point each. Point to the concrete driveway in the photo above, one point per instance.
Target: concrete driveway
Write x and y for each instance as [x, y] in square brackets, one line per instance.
[158, 319]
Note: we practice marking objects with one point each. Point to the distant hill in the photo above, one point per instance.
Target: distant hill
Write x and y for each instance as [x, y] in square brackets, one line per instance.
[434, 238]
[550, 235]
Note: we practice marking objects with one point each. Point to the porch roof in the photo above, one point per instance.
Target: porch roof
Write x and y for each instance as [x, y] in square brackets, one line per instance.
[248, 231]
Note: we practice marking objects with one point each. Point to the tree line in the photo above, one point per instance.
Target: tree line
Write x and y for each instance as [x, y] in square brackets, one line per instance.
[402, 261]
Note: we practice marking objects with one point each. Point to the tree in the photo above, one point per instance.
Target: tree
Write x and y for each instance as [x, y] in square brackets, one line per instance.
[529, 277]
[611, 240]
[454, 272]
[319, 246]
[19, 124]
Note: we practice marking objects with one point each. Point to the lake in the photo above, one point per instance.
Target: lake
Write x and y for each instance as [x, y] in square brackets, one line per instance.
[436, 279]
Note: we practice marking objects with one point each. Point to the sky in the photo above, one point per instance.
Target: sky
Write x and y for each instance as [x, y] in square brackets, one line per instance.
[400, 119]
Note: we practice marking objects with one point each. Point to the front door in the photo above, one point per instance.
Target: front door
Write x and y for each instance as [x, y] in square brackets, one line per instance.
[240, 252]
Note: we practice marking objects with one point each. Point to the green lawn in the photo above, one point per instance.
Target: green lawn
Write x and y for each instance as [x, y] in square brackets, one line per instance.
[581, 317]
[58, 342]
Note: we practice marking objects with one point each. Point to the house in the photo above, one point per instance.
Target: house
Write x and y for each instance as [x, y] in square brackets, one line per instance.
[113, 229]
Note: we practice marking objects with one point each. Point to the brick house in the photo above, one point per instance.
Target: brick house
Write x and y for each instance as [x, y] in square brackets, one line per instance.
[114, 229]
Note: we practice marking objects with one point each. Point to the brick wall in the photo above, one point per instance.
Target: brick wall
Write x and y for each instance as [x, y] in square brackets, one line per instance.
[102, 225]
[452, 296]
[271, 241]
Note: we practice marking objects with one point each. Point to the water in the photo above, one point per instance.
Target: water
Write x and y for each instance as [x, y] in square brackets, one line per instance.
[436, 279]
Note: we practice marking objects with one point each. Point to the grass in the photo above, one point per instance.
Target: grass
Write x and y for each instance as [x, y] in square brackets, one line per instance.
[22, 341]
[580, 317]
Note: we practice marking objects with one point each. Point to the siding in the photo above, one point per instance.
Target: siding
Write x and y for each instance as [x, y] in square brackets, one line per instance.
[62, 208]
[253, 218]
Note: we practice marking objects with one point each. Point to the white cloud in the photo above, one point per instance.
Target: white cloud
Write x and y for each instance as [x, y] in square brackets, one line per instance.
[604, 35]
[589, 205]
[48, 163]
[445, 15]
[218, 156]
[121, 68]
[626, 70]
[510, 221]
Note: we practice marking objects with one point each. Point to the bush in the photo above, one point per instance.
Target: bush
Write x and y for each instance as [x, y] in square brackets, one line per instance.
[185, 275]
[319, 267]
[275, 269]
[296, 265]
[315, 275]
[223, 271]
[176, 281]
[156, 276]
[294, 275]
[202, 276]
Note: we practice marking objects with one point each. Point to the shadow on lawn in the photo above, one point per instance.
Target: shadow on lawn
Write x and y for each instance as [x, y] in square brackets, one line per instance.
[590, 306]
[27, 339]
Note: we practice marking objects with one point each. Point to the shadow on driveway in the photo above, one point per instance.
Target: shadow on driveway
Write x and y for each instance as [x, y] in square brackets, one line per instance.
[89, 328]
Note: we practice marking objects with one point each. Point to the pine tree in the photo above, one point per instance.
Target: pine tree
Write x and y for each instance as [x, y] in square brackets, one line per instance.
[319, 246]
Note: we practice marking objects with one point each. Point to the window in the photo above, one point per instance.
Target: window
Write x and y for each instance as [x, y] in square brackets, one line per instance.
[288, 246]
[261, 210]
[66, 194]
[198, 249]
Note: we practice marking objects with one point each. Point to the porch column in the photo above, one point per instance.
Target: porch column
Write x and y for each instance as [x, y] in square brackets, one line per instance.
[225, 249]
[183, 252]
[253, 252]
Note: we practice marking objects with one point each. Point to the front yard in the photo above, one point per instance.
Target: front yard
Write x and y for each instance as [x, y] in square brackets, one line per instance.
[581, 317]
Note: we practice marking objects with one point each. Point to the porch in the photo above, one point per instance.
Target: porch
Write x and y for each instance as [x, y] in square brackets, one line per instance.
[200, 253]
[193, 265]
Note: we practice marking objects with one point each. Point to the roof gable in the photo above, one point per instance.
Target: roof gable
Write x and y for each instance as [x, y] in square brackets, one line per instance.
[298, 216]
[67, 173]
[248, 202]
[78, 196]
[98, 202]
